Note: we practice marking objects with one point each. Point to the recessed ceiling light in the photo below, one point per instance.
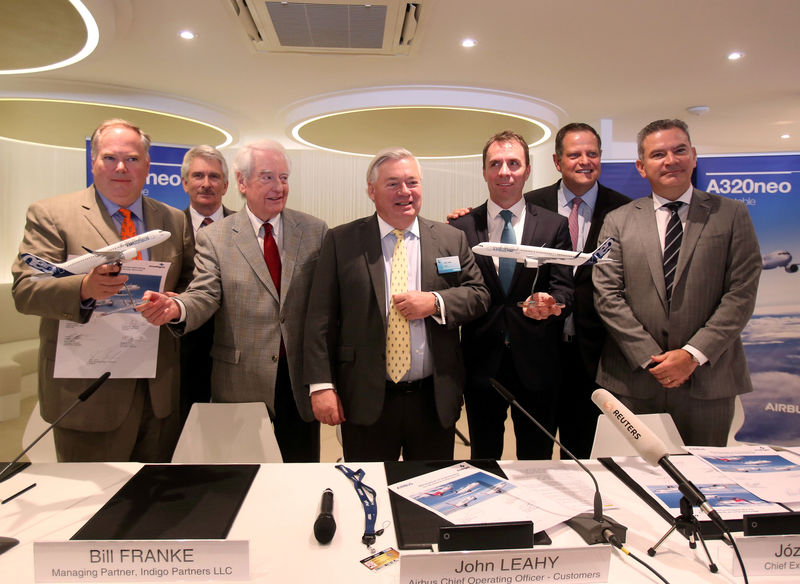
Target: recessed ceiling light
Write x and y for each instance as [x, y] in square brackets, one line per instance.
[735, 56]
[468, 43]
[785, 136]
[187, 35]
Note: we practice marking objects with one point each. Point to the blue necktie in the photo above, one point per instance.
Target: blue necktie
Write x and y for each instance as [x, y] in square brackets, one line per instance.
[507, 265]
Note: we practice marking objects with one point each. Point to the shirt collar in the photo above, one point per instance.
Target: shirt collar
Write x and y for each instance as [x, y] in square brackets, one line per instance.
[386, 229]
[258, 223]
[493, 209]
[565, 196]
[659, 201]
[112, 208]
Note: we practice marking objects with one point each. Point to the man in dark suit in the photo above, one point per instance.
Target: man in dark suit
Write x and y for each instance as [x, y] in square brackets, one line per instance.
[204, 173]
[681, 291]
[577, 158]
[253, 274]
[516, 346]
[381, 340]
[126, 419]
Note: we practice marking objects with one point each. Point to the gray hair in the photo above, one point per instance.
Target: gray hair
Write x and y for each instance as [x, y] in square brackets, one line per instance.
[385, 155]
[243, 164]
[113, 123]
[658, 126]
[205, 152]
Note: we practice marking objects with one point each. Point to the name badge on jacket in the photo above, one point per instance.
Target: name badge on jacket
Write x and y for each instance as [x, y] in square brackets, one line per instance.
[448, 265]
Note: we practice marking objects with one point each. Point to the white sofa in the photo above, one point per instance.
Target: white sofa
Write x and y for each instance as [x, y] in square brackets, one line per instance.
[19, 353]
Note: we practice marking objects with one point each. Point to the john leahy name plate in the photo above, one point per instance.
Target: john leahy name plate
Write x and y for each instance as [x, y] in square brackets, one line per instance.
[139, 561]
[583, 565]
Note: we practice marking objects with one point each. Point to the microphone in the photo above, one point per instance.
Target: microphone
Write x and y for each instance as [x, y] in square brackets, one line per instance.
[325, 526]
[87, 393]
[652, 450]
[592, 527]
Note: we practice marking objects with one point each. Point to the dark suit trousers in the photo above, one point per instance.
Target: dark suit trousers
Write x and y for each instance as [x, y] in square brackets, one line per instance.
[408, 425]
[196, 367]
[700, 422]
[487, 410]
[577, 414]
[297, 439]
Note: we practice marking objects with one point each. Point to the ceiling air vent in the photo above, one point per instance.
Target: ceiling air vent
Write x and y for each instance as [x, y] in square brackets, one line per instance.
[382, 27]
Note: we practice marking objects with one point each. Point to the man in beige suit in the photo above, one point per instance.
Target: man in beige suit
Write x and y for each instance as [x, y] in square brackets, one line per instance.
[126, 419]
[681, 290]
[259, 306]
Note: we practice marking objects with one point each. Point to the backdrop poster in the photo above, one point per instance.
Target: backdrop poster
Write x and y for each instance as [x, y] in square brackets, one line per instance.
[164, 179]
[770, 187]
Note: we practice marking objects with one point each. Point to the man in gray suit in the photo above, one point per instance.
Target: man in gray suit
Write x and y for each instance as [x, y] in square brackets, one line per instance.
[126, 419]
[382, 353]
[681, 291]
[204, 174]
[253, 271]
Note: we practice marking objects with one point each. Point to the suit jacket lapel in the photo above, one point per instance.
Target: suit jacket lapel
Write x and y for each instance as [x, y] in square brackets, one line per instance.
[485, 263]
[95, 213]
[699, 211]
[292, 236]
[246, 241]
[647, 230]
[428, 251]
[373, 256]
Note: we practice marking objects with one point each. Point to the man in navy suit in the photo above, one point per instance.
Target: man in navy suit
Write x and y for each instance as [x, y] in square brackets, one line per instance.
[518, 347]
[577, 158]
[204, 173]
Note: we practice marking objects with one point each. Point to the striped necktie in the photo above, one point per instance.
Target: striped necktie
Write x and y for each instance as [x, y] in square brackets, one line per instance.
[672, 246]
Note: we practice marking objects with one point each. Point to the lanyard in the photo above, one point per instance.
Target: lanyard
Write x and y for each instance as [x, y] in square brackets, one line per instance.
[368, 500]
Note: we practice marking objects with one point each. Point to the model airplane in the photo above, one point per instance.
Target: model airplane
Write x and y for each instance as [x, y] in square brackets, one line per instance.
[533, 257]
[779, 259]
[116, 252]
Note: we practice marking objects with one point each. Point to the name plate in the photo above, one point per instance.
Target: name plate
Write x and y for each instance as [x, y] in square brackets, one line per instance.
[139, 561]
[584, 565]
[768, 555]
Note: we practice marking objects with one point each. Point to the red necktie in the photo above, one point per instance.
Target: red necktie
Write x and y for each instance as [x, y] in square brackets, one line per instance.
[128, 229]
[573, 222]
[206, 221]
[273, 259]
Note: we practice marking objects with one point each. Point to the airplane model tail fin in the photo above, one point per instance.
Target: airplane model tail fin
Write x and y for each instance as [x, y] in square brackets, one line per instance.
[48, 269]
[601, 251]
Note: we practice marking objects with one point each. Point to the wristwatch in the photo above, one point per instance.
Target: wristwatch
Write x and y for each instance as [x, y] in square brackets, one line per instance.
[438, 305]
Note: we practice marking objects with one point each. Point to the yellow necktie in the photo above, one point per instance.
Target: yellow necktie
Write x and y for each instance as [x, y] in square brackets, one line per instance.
[398, 336]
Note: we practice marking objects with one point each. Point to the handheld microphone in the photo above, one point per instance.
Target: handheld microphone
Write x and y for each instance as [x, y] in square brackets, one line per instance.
[592, 527]
[652, 450]
[325, 525]
[87, 393]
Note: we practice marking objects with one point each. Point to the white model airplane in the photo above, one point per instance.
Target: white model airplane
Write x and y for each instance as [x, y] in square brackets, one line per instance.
[533, 257]
[116, 252]
[779, 259]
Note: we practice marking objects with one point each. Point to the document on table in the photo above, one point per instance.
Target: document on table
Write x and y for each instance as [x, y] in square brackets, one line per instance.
[771, 475]
[116, 338]
[730, 499]
[464, 494]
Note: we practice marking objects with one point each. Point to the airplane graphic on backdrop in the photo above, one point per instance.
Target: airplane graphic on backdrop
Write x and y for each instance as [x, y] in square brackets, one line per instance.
[779, 259]
[116, 252]
[533, 257]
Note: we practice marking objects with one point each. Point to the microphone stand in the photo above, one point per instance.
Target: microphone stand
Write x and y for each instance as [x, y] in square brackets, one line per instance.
[687, 525]
[81, 398]
[592, 527]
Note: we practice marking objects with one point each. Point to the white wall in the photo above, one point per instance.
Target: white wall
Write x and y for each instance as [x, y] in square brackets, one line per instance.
[330, 186]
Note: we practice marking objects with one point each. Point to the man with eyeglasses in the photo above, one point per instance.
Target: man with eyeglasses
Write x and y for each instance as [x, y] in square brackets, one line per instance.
[253, 272]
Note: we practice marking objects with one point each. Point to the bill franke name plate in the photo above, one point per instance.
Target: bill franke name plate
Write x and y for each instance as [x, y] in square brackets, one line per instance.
[582, 565]
[139, 561]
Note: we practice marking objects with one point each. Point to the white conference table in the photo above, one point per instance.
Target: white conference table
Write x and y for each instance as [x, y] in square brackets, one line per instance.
[279, 511]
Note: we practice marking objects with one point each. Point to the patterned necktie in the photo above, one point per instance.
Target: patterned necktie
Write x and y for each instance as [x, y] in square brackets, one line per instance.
[206, 221]
[272, 257]
[506, 266]
[672, 246]
[398, 335]
[128, 228]
[573, 222]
